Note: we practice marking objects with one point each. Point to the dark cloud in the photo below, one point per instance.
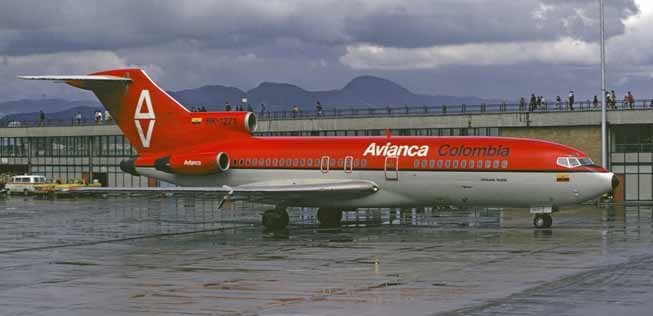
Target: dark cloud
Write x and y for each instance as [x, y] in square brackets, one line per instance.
[185, 44]
[53, 26]
[460, 22]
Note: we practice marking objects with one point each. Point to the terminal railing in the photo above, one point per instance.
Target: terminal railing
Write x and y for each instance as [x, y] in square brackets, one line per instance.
[387, 111]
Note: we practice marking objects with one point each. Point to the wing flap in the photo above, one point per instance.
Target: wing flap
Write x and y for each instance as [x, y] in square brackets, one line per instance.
[273, 192]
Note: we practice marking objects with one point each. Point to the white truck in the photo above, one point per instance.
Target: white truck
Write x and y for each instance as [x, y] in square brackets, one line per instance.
[25, 184]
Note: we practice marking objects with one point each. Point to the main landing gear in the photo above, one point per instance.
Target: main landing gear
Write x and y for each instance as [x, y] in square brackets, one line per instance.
[329, 217]
[275, 219]
[542, 221]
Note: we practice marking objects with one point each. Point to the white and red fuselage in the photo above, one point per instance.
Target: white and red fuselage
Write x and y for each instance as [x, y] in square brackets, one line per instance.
[204, 149]
[410, 171]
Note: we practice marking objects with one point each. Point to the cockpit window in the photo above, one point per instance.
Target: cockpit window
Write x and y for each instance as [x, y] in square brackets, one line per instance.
[572, 162]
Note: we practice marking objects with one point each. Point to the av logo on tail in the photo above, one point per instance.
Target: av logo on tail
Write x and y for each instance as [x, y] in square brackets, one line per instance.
[147, 116]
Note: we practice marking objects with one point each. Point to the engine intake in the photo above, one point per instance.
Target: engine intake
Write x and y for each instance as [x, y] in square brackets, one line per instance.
[194, 164]
[250, 122]
[129, 166]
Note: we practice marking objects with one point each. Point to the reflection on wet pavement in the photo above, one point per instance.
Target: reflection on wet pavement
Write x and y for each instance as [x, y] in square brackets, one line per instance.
[183, 256]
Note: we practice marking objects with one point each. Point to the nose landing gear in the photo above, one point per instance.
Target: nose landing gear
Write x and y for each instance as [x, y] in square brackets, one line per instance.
[275, 219]
[542, 221]
[329, 217]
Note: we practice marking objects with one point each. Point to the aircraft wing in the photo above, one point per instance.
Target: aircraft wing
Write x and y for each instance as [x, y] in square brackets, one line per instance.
[288, 192]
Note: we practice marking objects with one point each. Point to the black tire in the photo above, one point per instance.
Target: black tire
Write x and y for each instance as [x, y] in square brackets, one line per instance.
[275, 219]
[329, 217]
[549, 220]
[542, 221]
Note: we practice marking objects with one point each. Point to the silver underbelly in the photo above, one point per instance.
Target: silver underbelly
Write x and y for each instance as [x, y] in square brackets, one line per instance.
[427, 188]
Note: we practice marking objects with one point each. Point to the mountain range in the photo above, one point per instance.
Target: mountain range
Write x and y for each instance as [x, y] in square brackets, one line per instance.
[361, 92]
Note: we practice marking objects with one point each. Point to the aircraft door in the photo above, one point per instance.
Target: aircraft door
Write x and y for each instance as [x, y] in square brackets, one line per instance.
[391, 168]
[349, 164]
[324, 164]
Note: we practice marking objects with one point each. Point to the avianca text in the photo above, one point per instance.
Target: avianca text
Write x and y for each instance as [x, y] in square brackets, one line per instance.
[396, 150]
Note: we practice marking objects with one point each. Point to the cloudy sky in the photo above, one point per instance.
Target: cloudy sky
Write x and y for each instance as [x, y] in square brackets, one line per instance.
[487, 48]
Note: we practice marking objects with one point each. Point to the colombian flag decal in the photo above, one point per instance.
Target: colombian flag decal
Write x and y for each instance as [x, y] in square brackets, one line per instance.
[196, 120]
[562, 177]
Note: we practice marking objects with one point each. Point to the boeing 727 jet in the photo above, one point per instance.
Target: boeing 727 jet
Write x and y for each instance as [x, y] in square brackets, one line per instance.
[217, 152]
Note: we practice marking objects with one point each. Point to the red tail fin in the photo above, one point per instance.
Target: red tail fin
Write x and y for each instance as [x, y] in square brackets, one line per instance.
[146, 114]
[152, 120]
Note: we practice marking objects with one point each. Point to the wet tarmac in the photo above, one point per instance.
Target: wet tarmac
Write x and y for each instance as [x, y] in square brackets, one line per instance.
[178, 256]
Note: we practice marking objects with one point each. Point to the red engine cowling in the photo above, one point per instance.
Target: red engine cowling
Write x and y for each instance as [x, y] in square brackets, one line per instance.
[226, 121]
[194, 164]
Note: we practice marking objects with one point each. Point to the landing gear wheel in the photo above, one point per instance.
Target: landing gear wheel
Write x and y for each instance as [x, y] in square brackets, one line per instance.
[329, 217]
[542, 221]
[275, 219]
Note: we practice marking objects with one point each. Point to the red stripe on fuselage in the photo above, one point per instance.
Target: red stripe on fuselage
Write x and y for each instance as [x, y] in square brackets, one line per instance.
[415, 153]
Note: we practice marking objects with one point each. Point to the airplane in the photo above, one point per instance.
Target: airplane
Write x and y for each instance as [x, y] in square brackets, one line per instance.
[217, 152]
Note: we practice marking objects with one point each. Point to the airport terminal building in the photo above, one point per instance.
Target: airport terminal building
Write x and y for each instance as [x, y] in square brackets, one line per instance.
[94, 151]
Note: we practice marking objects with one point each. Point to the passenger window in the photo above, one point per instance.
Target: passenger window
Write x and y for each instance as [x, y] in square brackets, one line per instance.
[488, 164]
[254, 161]
[463, 164]
[260, 161]
[439, 164]
[415, 163]
[471, 163]
[295, 162]
[447, 164]
[235, 162]
[364, 163]
[241, 161]
[282, 162]
[317, 162]
[332, 162]
[302, 162]
[288, 162]
[504, 164]
[309, 162]
[432, 164]
[356, 163]
[455, 164]
[248, 161]
[274, 162]
[479, 164]
[267, 162]
[339, 162]
[495, 164]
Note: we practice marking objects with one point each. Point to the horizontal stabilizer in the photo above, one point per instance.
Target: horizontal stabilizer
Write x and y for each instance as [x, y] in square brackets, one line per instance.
[78, 78]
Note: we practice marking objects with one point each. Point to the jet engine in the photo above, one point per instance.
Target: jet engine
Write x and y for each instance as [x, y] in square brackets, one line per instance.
[194, 164]
[230, 121]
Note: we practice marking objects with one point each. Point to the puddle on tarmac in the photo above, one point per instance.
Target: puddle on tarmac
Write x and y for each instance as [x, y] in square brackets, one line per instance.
[165, 255]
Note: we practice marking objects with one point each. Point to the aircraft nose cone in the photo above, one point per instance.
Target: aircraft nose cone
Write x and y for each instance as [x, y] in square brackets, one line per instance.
[615, 182]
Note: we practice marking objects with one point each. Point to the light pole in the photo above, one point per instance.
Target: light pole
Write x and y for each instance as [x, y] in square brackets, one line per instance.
[604, 145]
